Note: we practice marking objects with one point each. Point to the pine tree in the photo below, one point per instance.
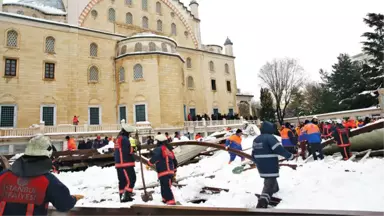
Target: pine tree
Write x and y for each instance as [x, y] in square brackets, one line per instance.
[345, 83]
[267, 112]
[373, 46]
[297, 105]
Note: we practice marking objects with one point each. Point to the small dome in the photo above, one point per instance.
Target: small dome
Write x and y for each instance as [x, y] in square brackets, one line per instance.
[193, 2]
[228, 42]
[47, 6]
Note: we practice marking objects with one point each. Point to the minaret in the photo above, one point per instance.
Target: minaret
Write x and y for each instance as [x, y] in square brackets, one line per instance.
[228, 47]
[195, 12]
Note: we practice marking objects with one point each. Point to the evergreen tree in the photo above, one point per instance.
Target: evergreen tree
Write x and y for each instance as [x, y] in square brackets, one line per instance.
[345, 83]
[373, 46]
[297, 106]
[267, 112]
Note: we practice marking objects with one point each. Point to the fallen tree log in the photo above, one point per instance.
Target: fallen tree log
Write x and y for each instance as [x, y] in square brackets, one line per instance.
[364, 138]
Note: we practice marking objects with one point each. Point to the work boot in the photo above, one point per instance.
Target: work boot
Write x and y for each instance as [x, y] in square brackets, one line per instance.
[126, 197]
[262, 203]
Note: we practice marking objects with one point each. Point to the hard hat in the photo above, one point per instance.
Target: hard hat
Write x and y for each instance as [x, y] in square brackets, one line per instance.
[329, 121]
[315, 117]
[338, 121]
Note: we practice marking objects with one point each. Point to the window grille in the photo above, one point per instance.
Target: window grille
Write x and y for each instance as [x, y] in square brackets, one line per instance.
[173, 28]
[123, 113]
[144, 4]
[111, 15]
[145, 22]
[128, 18]
[190, 82]
[94, 116]
[93, 50]
[50, 45]
[123, 50]
[164, 47]
[138, 72]
[49, 71]
[128, 2]
[138, 47]
[122, 74]
[7, 114]
[93, 74]
[159, 25]
[48, 115]
[12, 37]
[20, 12]
[152, 46]
[189, 63]
[10, 67]
[140, 113]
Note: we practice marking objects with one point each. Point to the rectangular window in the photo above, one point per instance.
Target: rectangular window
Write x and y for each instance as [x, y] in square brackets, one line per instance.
[192, 111]
[140, 113]
[215, 111]
[7, 116]
[230, 111]
[49, 71]
[229, 89]
[10, 67]
[123, 113]
[94, 116]
[213, 84]
[48, 115]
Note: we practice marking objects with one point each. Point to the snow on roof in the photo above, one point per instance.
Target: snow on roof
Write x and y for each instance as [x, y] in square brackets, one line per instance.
[150, 34]
[54, 7]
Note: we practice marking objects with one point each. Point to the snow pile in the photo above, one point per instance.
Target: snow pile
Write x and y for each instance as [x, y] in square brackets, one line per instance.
[328, 184]
[38, 6]
[106, 148]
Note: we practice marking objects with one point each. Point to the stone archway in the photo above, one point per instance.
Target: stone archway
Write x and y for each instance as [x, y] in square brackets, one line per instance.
[92, 3]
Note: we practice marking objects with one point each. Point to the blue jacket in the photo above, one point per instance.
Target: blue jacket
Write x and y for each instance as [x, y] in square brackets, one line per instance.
[123, 153]
[163, 158]
[311, 133]
[266, 149]
[28, 187]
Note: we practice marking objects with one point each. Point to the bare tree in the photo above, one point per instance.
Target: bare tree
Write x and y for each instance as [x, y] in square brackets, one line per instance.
[282, 77]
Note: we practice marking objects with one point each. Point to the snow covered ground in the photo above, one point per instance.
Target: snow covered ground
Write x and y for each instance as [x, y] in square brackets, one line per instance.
[328, 184]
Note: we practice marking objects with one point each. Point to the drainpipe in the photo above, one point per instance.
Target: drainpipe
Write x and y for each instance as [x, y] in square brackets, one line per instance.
[115, 83]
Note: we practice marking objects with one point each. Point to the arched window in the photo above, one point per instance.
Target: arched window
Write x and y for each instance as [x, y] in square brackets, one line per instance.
[189, 63]
[152, 46]
[12, 38]
[164, 47]
[50, 45]
[111, 15]
[93, 50]
[144, 4]
[190, 82]
[138, 72]
[211, 66]
[173, 28]
[138, 47]
[128, 2]
[159, 25]
[123, 50]
[226, 66]
[145, 22]
[122, 74]
[128, 18]
[93, 74]
[158, 7]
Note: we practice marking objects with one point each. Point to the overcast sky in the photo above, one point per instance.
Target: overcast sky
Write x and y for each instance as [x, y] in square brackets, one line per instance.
[312, 31]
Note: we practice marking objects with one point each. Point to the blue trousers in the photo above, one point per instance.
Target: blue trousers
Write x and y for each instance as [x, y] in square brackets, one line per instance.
[166, 191]
[127, 179]
[232, 156]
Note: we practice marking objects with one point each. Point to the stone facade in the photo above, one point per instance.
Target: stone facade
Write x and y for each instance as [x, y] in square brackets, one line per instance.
[98, 66]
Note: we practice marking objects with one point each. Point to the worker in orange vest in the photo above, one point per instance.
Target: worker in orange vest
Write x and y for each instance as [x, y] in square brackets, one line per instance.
[71, 144]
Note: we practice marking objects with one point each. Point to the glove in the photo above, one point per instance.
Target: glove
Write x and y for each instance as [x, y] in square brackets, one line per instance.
[226, 147]
[78, 197]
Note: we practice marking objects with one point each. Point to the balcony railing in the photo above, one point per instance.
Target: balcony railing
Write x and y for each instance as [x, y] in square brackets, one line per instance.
[189, 126]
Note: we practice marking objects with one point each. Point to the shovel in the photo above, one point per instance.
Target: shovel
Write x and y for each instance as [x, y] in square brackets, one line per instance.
[146, 196]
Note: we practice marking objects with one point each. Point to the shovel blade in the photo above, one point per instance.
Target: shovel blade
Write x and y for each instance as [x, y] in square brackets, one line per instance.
[146, 197]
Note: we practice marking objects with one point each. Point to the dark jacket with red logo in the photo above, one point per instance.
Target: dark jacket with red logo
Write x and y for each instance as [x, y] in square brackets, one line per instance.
[341, 135]
[163, 158]
[123, 153]
[28, 187]
[327, 130]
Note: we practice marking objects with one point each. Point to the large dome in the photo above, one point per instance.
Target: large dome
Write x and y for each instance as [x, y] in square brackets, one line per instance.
[46, 6]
